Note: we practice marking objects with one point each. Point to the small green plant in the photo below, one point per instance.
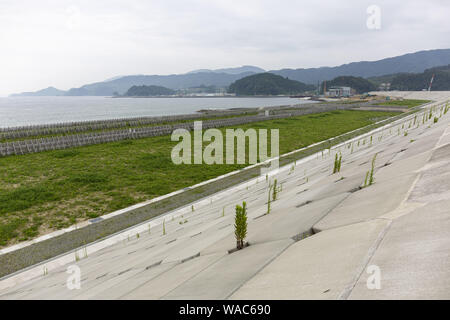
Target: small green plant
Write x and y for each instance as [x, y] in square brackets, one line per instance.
[137, 235]
[275, 190]
[406, 133]
[45, 271]
[77, 257]
[337, 163]
[192, 208]
[372, 170]
[336, 159]
[164, 228]
[240, 225]
[269, 198]
[435, 120]
[292, 169]
[366, 179]
[149, 231]
[223, 212]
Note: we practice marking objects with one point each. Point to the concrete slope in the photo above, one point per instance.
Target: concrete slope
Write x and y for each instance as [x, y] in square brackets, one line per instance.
[317, 241]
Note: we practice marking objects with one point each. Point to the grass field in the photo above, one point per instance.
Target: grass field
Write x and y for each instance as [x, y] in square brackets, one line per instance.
[43, 192]
[410, 103]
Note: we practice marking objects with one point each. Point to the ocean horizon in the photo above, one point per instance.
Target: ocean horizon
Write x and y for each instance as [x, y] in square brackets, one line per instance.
[22, 111]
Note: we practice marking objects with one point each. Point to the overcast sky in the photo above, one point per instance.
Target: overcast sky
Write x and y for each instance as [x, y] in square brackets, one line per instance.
[70, 43]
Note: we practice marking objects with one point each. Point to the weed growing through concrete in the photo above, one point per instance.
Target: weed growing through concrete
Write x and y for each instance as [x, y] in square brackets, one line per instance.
[240, 225]
[269, 199]
[372, 170]
[337, 163]
[435, 120]
[336, 157]
[366, 179]
[275, 190]
[164, 228]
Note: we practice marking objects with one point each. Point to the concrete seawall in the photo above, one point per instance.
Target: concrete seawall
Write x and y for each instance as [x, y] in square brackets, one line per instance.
[399, 224]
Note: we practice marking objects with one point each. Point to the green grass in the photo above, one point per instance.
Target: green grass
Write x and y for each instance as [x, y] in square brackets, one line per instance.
[47, 191]
[410, 103]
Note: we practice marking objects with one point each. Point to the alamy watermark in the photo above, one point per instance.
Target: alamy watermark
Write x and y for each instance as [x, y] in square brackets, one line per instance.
[373, 21]
[189, 150]
[374, 280]
[74, 280]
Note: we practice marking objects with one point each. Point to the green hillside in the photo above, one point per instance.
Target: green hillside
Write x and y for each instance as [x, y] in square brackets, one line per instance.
[267, 84]
[361, 85]
[420, 81]
[148, 91]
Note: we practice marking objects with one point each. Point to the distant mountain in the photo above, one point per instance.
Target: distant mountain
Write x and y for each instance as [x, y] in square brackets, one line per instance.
[237, 70]
[412, 62]
[50, 91]
[421, 81]
[174, 82]
[267, 84]
[408, 63]
[148, 91]
[361, 85]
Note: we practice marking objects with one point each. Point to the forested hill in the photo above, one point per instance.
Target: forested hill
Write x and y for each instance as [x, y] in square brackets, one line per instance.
[361, 85]
[148, 91]
[420, 81]
[267, 84]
